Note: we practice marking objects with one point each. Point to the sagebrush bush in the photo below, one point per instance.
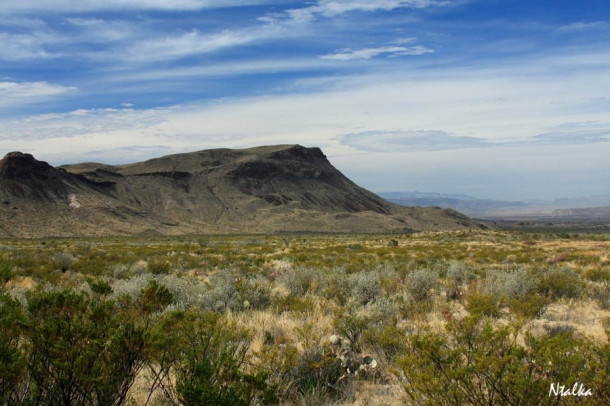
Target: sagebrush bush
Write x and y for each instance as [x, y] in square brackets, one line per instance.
[420, 283]
[301, 280]
[223, 295]
[460, 273]
[336, 287]
[255, 293]
[365, 287]
[129, 287]
[513, 283]
[382, 311]
[64, 261]
[120, 271]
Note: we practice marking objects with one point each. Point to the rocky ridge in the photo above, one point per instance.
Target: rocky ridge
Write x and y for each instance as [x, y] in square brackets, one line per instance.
[283, 188]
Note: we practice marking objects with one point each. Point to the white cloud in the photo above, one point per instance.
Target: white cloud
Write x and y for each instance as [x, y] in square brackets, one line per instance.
[95, 30]
[191, 43]
[222, 69]
[24, 46]
[71, 6]
[526, 118]
[584, 26]
[575, 133]
[411, 141]
[333, 8]
[349, 54]
[18, 93]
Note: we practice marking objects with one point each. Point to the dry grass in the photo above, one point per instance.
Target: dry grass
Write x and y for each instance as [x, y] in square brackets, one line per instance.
[308, 322]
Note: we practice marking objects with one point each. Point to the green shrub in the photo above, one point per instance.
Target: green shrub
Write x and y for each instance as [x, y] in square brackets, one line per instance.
[598, 274]
[6, 273]
[82, 352]
[532, 305]
[560, 283]
[154, 297]
[481, 304]
[386, 341]
[293, 304]
[99, 286]
[352, 326]
[475, 362]
[159, 267]
[13, 323]
[213, 367]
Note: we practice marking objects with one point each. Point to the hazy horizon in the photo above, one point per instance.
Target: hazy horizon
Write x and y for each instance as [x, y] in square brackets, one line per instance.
[495, 99]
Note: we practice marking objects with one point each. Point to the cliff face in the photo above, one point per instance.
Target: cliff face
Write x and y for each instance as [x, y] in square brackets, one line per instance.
[285, 188]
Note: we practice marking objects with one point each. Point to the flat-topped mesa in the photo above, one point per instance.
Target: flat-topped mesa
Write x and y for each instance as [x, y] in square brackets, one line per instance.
[266, 189]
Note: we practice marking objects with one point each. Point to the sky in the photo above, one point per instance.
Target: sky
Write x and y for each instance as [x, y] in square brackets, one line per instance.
[503, 99]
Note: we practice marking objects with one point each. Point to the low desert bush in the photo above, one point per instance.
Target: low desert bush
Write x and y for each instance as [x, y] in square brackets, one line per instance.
[385, 341]
[512, 284]
[301, 280]
[223, 295]
[317, 378]
[481, 304]
[475, 362]
[601, 274]
[13, 359]
[255, 293]
[420, 284]
[159, 266]
[213, 366]
[64, 261]
[365, 287]
[560, 283]
[79, 350]
[459, 273]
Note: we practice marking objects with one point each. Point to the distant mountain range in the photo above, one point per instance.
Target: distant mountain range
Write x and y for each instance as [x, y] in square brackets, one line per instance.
[281, 188]
[580, 208]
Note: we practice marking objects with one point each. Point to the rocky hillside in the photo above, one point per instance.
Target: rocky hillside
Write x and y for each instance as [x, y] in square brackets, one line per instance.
[285, 188]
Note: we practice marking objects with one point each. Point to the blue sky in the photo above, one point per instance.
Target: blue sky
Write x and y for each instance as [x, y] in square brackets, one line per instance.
[493, 98]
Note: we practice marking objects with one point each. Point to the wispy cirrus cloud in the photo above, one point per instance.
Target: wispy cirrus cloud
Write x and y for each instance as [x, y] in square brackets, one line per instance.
[192, 43]
[411, 140]
[584, 26]
[438, 140]
[25, 39]
[84, 123]
[13, 94]
[575, 133]
[348, 54]
[333, 8]
[70, 6]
